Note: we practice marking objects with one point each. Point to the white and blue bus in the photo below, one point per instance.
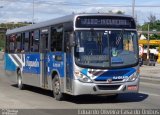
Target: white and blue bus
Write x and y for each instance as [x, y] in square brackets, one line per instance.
[76, 54]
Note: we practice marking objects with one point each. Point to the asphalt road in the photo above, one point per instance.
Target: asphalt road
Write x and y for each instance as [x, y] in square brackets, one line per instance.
[38, 100]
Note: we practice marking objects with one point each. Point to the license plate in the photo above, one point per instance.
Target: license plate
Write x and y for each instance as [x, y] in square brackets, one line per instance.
[132, 87]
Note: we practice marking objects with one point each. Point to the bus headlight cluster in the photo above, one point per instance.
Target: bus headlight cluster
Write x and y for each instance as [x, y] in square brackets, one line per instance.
[83, 78]
[133, 77]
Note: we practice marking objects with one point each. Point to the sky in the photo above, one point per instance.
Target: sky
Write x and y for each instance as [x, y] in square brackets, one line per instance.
[22, 10]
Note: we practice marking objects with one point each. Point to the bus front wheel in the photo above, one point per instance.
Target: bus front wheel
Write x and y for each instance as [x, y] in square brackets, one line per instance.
[19, 80]
[57, 88]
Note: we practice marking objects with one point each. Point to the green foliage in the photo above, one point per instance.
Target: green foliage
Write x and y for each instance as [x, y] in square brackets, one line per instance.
[155, 37]
[153, 26]
[14, 25]
[118, 12]
[2, 43]
[11, 25]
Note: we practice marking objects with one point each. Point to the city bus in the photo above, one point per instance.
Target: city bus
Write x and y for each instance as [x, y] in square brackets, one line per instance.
[78, 54]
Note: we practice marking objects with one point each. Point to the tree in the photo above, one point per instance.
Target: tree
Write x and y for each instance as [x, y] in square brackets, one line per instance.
[9, 26]
[117, 12]
[152, 18]
[120, 12]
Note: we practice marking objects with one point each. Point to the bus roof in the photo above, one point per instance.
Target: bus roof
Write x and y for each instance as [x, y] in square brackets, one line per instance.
[41, 24]
[58, 21]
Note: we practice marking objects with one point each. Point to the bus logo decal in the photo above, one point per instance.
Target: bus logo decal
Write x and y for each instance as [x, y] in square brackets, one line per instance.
[109, 81]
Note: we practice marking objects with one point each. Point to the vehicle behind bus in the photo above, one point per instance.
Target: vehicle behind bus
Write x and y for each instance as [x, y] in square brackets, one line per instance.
[77, 54]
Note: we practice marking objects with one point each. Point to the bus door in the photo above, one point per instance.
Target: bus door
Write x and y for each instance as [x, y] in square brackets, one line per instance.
[69, 63]
[44, 57]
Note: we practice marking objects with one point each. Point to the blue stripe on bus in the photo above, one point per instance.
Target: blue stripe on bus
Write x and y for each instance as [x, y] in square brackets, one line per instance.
[9, 64]
[126, 72]
[115, 73]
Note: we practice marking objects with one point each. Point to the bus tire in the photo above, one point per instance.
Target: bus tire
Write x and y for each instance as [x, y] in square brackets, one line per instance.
[58, 95]
[19, 80]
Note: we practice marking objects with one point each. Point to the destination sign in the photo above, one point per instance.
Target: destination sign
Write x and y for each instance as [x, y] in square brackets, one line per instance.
[105, 22]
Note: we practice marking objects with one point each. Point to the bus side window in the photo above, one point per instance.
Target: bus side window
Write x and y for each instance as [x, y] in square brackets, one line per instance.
[7, 44]
[12, 41]
[18, 43]
[34, 39]
[26, 42]
[31, 40]
[56, 39]
[23, 41]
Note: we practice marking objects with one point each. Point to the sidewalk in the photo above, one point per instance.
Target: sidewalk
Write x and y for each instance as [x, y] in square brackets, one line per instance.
[150, 74]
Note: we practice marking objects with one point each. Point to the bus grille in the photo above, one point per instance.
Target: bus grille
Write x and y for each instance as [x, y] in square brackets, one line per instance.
[113, 80]
[108, 87]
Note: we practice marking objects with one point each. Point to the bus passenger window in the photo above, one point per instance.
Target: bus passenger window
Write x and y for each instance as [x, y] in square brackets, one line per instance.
[18, 43]
[56, 39]
[12, 43]
[26, 42]
[35, 40]
[31, 41]
[7, 44]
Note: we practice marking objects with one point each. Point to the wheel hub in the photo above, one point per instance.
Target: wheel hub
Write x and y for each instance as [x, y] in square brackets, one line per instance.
[57, 87]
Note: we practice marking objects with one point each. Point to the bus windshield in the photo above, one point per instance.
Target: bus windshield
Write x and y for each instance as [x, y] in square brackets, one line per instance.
[111, 48]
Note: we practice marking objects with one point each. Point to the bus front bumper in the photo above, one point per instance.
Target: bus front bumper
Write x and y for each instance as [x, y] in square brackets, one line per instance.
[102, 89]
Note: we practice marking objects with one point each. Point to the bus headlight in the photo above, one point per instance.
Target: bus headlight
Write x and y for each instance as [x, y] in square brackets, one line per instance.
[83, 78]
[133, 77]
